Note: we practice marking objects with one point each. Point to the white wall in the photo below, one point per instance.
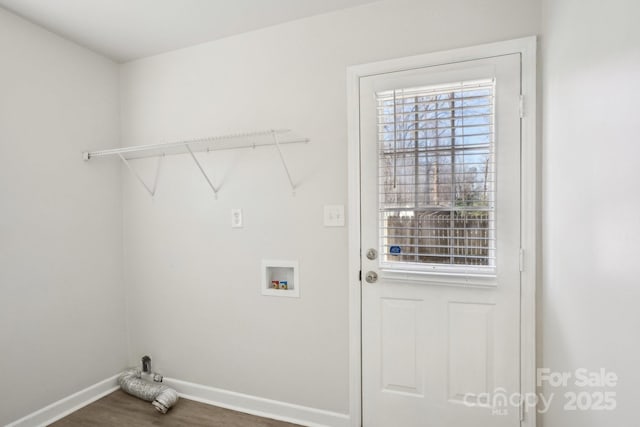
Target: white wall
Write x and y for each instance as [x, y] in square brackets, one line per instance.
[192, 281]
[62, 323]
[590, 317]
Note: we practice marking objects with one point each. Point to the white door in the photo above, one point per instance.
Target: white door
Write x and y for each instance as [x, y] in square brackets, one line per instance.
[440, 203]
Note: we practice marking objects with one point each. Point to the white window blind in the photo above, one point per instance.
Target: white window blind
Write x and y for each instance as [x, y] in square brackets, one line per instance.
[437, 175]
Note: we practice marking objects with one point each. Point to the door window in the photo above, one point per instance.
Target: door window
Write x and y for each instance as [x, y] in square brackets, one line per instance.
[436, 172]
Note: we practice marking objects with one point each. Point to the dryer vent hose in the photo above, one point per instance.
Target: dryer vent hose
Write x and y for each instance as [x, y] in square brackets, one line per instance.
[160, 396]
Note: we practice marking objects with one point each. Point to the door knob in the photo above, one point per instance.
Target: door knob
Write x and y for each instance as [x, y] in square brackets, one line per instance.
[371, 277]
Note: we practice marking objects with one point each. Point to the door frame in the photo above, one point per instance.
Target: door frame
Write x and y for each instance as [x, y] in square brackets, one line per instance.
[527, 48]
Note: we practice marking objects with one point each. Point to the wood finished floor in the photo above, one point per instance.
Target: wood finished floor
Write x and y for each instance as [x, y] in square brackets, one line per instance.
[121, 409]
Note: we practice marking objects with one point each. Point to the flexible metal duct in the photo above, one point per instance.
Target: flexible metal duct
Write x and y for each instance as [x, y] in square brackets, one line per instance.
[160, 396]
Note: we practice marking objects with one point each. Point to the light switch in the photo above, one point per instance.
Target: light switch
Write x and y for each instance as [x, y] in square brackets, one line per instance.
[334, 215]
[236, 218]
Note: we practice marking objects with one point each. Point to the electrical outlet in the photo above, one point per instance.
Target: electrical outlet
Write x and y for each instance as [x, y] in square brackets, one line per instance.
[236, 218]
[334, 216]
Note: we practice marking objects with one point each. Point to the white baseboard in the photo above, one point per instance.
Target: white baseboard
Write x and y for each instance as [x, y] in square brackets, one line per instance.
[254, 405]
[69, 404]
[259, 406]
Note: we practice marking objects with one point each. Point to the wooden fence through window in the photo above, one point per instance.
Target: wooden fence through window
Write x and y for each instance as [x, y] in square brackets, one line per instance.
[441, 237]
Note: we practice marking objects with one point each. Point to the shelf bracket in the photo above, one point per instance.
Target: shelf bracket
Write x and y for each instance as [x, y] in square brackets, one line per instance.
[276, 141]
[195, 159]
[150, 190]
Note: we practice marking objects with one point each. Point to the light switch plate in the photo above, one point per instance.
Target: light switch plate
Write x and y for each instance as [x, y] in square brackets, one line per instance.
[236, 218]
[334, 215]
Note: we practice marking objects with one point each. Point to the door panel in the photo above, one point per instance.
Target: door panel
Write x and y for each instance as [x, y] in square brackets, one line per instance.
[441, 325]
[470, 358]
[400, 346]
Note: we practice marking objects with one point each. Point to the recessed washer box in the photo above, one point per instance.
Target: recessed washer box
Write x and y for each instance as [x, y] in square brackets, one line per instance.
[280, 278]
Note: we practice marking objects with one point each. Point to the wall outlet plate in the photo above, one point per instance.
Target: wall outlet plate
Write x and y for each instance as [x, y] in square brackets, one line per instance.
[236, 218]
[334, 215]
